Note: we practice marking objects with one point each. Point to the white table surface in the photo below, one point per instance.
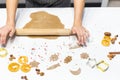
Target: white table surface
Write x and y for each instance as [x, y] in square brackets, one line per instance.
[96, 20]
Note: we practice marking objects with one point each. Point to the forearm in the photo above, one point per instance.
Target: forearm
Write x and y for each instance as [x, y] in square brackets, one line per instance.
[11, 11]
[78, 12]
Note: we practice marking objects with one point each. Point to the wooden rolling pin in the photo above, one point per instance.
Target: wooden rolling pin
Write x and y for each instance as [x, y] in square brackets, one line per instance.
[27, 32]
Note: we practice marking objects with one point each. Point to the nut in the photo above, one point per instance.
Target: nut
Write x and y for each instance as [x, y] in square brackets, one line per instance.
[24, 77]
[41, 73]
[11, 57]
[37, 70]
[107, 34]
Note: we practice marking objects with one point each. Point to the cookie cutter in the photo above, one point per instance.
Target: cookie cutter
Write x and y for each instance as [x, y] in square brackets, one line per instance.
[102, 65]
[3, 52]
[91, 62]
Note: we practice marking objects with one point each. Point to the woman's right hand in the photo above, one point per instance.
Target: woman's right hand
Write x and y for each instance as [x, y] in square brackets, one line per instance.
[6, 31]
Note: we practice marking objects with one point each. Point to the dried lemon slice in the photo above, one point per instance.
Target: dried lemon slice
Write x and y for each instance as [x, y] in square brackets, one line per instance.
[23, 59]
[105, 42]
[3, 52]
[13, 67]
[107, 38]
[25, 68]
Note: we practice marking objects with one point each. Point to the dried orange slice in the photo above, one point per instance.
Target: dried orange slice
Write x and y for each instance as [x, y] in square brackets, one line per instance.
[105, 42]
[23, 59]
[25, 68]
[13, 67]
[107, 38]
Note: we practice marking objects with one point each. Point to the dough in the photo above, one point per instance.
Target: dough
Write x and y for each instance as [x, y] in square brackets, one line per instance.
[76, 72]
[34, 64]
[54, 57]
[44, 20]
[84, 56]
[68, 59]
[53, 66]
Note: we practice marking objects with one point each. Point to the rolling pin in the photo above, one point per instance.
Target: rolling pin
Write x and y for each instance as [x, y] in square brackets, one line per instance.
[59, 32]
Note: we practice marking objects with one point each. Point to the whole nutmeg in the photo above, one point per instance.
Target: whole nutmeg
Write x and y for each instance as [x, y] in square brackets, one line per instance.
[42, 73]
[107, 34]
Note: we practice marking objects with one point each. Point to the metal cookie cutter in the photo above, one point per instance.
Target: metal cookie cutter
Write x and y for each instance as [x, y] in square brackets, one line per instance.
[3, 52]
[91, 62]
[102, 65]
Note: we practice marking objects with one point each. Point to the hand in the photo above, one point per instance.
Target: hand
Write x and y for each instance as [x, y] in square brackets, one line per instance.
[82, 34]
[6, 31]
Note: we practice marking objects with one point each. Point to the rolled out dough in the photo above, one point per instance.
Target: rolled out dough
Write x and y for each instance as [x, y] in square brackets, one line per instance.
[44, 20]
